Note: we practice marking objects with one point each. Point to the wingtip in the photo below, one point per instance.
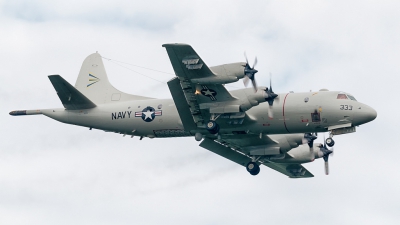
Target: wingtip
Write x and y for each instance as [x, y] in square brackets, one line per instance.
[174, 44]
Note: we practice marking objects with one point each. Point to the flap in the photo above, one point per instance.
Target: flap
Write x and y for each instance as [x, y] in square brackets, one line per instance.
[181, 104]
[290, 170]
[225, 151]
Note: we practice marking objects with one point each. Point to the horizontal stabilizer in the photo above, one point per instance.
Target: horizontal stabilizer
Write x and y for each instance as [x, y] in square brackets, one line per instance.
[70, 97]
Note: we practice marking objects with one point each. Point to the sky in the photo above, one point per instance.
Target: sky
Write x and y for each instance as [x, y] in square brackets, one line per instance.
[53, 173]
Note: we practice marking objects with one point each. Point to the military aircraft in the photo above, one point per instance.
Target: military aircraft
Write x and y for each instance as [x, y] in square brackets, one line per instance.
[250, 126]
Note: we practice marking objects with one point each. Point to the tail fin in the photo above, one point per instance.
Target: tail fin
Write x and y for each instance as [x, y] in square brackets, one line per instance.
[93, 83]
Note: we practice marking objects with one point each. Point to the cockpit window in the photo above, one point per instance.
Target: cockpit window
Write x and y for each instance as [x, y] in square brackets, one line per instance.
[341, 96]
[351, 98]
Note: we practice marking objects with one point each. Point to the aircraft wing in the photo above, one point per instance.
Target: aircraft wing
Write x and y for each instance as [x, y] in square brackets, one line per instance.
[201, 97]
[189, 67]
[237, 148]
[186, 62]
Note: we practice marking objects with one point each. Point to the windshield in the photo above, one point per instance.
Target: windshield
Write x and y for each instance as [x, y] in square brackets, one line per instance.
[351, 97]
[345, 96]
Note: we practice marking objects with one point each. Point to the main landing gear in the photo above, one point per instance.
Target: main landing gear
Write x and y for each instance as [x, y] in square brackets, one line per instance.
[253, 168]
[212, 127]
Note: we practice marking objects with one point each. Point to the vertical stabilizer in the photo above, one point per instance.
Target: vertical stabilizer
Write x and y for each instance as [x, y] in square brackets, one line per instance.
[93, 83]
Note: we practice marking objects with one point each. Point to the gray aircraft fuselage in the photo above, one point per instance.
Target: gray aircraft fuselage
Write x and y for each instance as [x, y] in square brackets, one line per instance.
[294, 113]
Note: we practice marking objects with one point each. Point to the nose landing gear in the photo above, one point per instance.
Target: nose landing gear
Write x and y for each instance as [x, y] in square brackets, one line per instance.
[253, 168]
[329, 141]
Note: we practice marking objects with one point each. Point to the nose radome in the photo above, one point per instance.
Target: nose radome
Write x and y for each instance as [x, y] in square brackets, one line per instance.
[371, 113]
[367, 114]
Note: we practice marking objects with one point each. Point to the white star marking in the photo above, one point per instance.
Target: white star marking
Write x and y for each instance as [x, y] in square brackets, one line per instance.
[208, 92]
[148, 114]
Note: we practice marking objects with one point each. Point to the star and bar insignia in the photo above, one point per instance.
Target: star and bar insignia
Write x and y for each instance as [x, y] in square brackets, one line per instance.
[208, 92]
[148, 114]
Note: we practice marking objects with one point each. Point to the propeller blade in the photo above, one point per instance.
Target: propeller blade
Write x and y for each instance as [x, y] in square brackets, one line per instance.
[245, 56]
[270, 82]
[253, 81]
[270, 112]
[246, 80]
[326, 152]
[326, 168]
[255, 62]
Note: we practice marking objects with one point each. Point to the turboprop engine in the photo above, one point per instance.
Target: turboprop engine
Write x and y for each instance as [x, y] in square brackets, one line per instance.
[262, 95]
[254, 99]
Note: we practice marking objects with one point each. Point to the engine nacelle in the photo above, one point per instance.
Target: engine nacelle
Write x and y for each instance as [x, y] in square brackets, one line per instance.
[288, 141]
[254, 100]
[277, 151]
[224, 74]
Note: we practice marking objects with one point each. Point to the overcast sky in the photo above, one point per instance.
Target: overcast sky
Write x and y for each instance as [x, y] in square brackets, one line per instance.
[53, 173]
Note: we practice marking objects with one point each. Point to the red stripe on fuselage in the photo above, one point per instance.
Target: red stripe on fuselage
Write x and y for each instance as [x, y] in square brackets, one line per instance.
[283, 112]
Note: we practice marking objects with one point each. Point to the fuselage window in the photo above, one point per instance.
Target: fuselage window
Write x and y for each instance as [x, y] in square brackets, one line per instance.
[341, 96]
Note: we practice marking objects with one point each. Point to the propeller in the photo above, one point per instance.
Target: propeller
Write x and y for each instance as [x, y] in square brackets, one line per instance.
[270, 97]
[326, 152]
[309, 139]
[249, 73]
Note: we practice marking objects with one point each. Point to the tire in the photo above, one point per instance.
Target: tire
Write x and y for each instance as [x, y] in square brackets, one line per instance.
[212, 127]
[253, 168]
[330, 142]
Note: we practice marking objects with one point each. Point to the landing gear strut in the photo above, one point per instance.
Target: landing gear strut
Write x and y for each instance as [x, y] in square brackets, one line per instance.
[253, 168]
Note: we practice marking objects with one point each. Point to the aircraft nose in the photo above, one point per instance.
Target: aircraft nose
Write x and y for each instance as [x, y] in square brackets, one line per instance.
[366, 114]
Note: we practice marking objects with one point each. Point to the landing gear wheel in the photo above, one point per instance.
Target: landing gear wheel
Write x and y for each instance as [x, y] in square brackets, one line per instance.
[330, 142]
[212, 127]
[253, 168]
